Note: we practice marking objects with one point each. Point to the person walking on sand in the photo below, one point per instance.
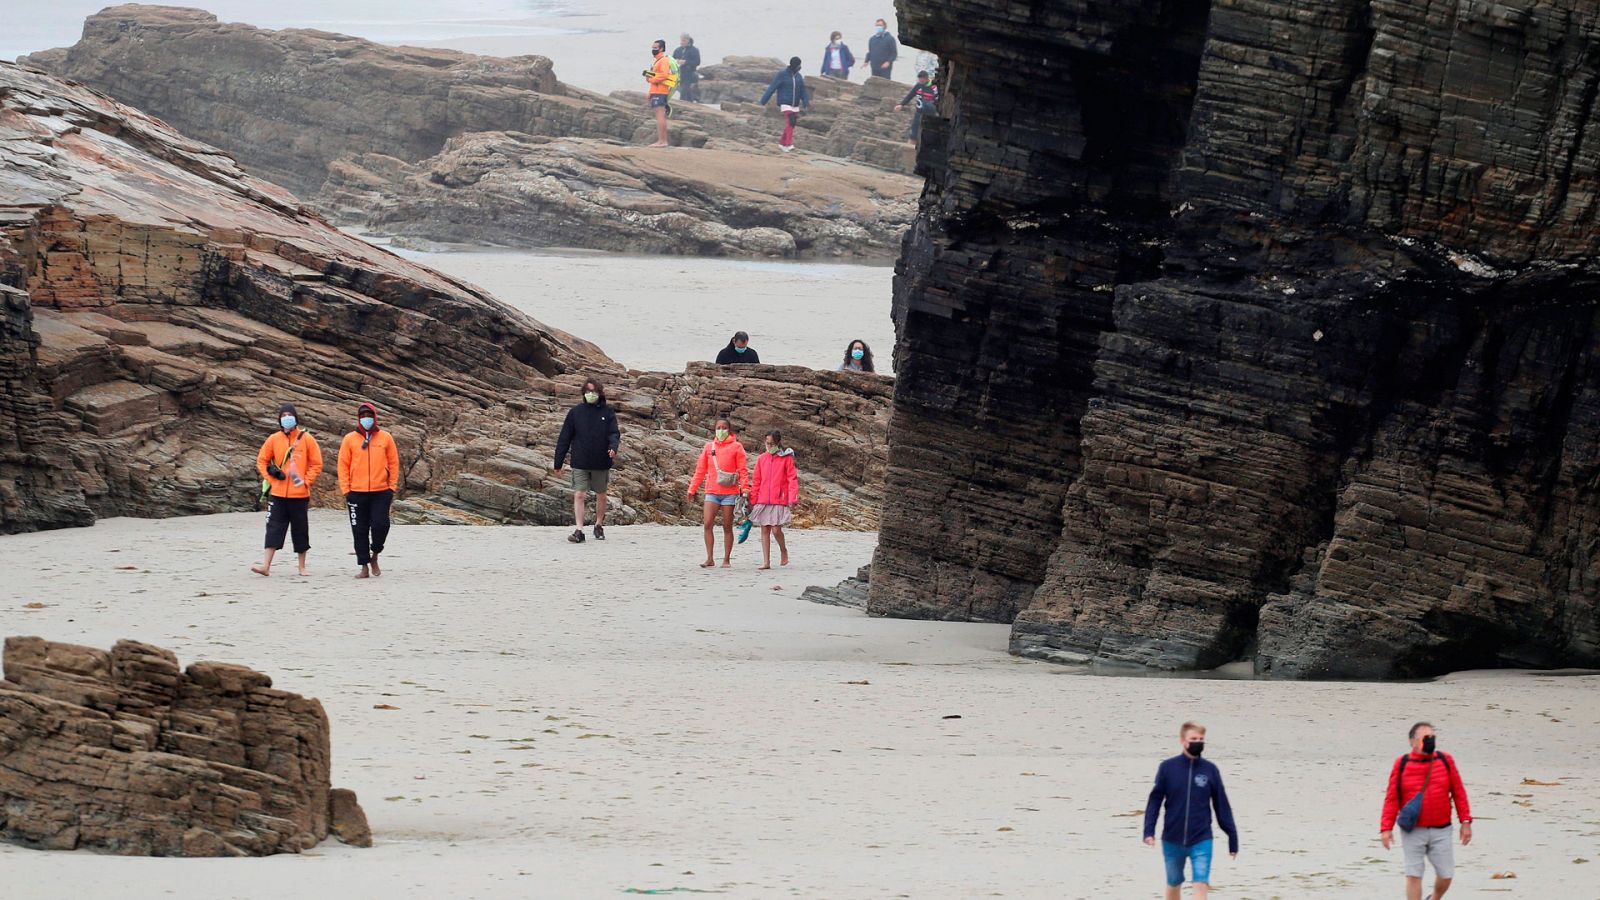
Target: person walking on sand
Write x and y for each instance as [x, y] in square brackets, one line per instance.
[369, 475]
[725, 470]
[1190, 787]
[688, 57]
[662, 81]
[775, 488]
[857, 357]
[738, 351]
[837, 58]
[1422, 785]
[923, 95]
[289, 461]
[881, 50]
[789, 86]
[590, 432]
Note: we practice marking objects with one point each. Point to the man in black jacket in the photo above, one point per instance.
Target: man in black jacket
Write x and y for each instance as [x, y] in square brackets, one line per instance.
[591, 433]
[881, 50]
[688, 57]
[738, 351]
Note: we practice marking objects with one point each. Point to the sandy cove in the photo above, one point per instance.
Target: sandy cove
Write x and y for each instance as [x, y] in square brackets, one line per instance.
[580, 720]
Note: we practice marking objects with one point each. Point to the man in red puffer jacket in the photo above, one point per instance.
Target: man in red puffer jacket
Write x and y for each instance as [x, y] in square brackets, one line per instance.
[1425, 768]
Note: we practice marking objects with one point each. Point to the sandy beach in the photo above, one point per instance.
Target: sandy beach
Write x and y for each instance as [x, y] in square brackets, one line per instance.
[581, 721]
[657, 313]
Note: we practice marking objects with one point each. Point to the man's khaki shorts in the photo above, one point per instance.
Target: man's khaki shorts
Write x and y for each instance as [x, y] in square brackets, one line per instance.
[596, 480]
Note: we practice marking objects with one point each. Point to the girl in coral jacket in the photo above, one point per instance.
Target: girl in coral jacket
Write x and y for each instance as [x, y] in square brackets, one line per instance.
[725, 470]
[776, 488]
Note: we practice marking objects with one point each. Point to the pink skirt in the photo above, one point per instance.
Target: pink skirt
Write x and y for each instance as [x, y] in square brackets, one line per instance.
[769, 514]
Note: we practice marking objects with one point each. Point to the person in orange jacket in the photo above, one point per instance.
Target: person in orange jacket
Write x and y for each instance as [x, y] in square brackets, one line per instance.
[724, 468]
[369, 474]
[290, 462]
[661, 84]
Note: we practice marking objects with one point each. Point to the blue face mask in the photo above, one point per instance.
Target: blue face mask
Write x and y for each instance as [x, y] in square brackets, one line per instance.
[881, 29]
[287, 422]
[857, 353]
[367, 422]
[739, 349]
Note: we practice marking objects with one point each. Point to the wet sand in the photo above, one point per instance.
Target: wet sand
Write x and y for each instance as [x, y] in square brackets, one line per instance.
[575, 721]
[657, 313]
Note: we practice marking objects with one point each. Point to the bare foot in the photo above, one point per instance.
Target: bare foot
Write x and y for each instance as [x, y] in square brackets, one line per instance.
[260, 570]
[763, 567]
[375, 569]
[708, 564]
[304, 574]
[726, 564]
[362, 573]
[659, 144]
[784, 561]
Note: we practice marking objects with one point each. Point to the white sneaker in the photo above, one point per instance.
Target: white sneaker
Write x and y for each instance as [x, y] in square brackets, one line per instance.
[784, 149]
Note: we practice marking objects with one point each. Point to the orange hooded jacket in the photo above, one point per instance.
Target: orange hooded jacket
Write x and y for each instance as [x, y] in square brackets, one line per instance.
[373, 467]
[730, 458]
[307, 459]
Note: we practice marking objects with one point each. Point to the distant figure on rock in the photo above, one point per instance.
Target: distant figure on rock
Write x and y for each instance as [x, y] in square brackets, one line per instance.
[857, 358]
[923, 95]
[369, 474]
[738, 351]
[881, 50]
[1422, 785]
[724, 468]
[688, 57]
[776, 487]
[289, 461]
[789, 86]
[837, 58]
[662, 80]
[590, 432]
[1191, 787]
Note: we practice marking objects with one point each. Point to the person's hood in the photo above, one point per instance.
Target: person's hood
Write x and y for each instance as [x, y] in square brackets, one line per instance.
[733, 437]
[787, 451]
[367, 407]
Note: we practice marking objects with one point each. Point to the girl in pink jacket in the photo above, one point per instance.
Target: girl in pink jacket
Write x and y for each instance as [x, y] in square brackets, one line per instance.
[776, 488]
[722, 460]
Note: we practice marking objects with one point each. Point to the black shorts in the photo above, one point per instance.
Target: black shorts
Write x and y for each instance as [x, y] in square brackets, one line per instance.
[658, 100]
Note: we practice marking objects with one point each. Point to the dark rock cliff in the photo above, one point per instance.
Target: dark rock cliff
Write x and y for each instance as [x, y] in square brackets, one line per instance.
[1254, 329]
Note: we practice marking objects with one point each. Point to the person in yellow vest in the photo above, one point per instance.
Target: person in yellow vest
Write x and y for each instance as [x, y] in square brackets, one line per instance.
[290, 462]
[662, 81]
[369, 474]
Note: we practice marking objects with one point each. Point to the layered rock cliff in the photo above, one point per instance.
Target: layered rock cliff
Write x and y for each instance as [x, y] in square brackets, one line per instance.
[1254, 329]
[443, 146]
[125, 752]
[160, 303]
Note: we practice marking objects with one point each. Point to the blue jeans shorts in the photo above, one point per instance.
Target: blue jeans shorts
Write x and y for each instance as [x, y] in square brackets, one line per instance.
[1198, 855]
[723, 499]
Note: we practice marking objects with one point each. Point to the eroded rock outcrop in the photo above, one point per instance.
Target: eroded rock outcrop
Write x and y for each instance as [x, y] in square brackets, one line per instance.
[1255, 330]
[450, 147]
[159, 303]
[522, 190]
[126, 752]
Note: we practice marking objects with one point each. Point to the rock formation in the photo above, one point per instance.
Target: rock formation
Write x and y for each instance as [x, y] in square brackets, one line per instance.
[159, 303]
[125, 752]
[521, 190]
[1254, 329]
[449, 147]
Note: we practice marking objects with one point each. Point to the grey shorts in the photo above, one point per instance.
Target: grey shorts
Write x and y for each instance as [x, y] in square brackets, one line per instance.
[1432, 844]
[596, 480]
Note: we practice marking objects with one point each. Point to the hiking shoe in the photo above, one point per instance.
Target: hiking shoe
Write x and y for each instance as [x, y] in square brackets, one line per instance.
[576, 537]
[599, 533]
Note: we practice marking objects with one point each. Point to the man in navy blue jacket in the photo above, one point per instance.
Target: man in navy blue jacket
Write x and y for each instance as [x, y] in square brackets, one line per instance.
[1191, 787]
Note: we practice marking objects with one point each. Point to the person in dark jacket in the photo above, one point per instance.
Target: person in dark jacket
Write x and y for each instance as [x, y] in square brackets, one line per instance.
[881, 50]
[789, 86]
[688, 57]
[1191, 787]
[591, 433]
[924, 94]
[1431, 772]
[738, 351]
[837, 58]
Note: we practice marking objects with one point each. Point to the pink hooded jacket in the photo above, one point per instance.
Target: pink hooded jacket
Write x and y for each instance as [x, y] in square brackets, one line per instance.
[777, 480]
